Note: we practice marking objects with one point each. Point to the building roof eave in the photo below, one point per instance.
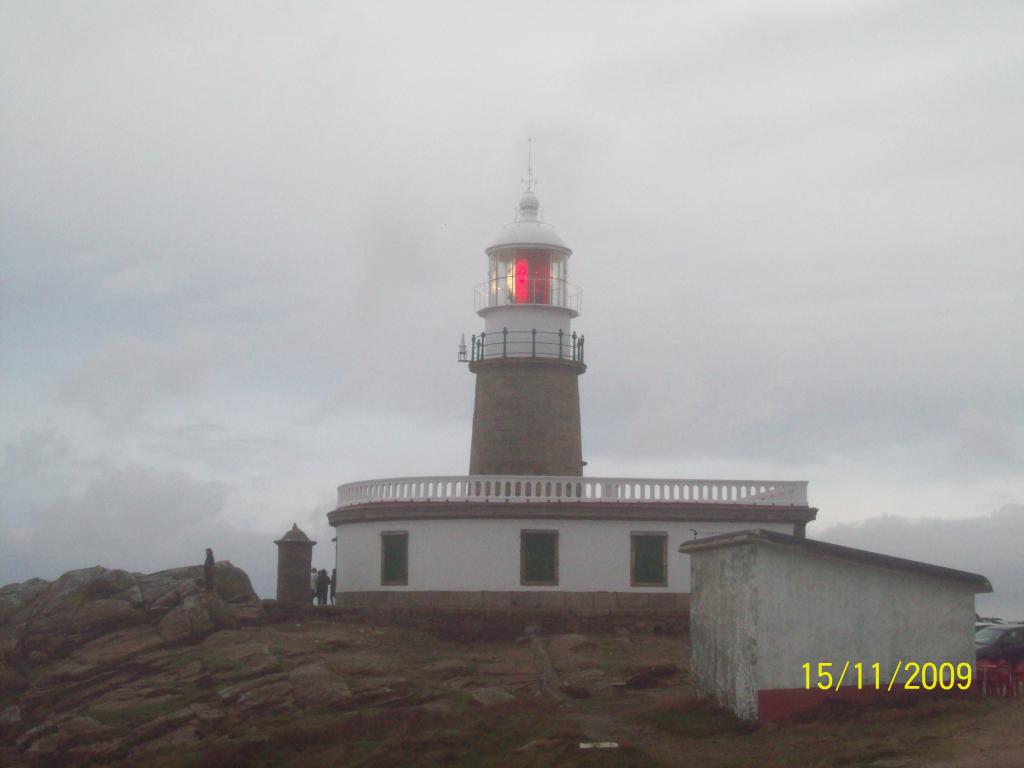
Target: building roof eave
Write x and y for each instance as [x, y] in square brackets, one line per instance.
[571, 510]
[773, 538]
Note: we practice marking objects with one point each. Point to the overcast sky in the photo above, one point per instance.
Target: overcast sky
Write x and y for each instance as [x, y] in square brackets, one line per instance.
[238, 243]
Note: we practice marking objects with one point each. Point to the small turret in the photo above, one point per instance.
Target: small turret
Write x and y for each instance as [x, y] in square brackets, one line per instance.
[294, 561]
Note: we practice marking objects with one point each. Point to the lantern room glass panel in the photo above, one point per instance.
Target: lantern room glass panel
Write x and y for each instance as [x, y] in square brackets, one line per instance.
[527, 276]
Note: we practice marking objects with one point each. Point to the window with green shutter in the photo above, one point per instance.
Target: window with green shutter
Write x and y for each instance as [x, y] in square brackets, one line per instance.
[649, 560]
[538, 558]
[394, 558]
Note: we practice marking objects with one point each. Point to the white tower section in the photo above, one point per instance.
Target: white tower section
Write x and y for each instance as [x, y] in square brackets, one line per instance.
[527, 302]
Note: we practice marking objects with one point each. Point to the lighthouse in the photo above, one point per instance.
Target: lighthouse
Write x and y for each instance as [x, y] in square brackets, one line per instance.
[528, 358]
[524, 529]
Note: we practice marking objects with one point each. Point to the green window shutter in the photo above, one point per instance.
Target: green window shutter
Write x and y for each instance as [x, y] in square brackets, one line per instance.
[540, 558]
[394, 564]
[649, 560]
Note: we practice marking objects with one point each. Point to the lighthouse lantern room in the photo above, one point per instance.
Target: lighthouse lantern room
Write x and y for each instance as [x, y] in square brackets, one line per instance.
[527, 302]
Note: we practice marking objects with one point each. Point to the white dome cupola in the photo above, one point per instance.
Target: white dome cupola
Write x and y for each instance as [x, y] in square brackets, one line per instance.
[528, 229]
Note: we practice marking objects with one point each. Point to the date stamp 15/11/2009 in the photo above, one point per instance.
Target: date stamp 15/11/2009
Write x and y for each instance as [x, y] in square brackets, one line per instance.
[927, 676]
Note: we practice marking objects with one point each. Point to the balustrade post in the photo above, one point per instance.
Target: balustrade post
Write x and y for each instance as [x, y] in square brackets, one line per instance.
[574, 345]
[504, 342]
[561, 333]
[581, 348]
[472, 348]
[483, 348]
[533, 343]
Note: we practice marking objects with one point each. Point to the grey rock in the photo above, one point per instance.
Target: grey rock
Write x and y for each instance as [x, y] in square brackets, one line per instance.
[119, 646]
[490, 696]
[316, 685]
[449, 668]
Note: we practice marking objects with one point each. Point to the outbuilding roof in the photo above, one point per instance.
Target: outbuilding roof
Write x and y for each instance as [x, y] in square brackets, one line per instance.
[759, 535]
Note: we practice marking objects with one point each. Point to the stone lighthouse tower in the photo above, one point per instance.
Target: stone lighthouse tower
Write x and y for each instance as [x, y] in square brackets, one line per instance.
[527, 360]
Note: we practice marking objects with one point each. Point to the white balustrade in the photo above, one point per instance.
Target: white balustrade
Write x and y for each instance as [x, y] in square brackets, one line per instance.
[546, 488]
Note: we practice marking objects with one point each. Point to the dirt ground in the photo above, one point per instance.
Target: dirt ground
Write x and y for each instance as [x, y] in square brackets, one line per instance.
[318, 693]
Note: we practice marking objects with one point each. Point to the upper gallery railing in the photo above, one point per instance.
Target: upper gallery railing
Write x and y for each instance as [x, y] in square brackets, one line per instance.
[517, 291]
[547, 488]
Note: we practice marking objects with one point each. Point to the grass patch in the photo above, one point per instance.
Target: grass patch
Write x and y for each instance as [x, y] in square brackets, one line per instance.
[696, 719]
[131, 717]
[305, 739]
[519, 733]
[866, 756]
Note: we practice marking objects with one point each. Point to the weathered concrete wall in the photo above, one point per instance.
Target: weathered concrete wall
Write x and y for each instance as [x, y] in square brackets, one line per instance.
[815, 608]
[760, 611]
[723, 606]
[483, 555]
[526, 418]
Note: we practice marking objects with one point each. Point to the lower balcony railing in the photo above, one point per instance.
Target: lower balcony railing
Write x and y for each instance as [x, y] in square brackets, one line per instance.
[533, 343]
[522, 488]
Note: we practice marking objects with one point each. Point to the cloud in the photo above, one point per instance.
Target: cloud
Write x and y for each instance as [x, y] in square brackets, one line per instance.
[242, 245]
[130, 376]
[135, 518]
[989, 545]
[33, 453]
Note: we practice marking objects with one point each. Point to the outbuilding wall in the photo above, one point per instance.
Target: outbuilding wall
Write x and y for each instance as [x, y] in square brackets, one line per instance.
[723, 610]
[822, 609]
[759, 611]
[475, 554]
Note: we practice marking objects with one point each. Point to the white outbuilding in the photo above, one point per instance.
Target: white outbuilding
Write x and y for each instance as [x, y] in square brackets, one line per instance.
[780, 623]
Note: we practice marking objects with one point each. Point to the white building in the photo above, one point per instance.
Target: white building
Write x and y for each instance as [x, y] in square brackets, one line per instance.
[778, 624]
[525, 527]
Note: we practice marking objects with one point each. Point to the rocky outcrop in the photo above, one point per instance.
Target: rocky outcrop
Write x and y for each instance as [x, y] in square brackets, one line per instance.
[98, 641]
[41, 620]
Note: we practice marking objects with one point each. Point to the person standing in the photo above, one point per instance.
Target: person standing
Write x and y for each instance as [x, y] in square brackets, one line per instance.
[208, 570]
[334, 583]
[323, 583]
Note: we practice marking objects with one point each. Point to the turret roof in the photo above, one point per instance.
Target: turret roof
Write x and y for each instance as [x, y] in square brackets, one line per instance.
[295, 536]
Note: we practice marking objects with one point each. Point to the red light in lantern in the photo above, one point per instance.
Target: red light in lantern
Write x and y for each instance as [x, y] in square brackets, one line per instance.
[522, 289]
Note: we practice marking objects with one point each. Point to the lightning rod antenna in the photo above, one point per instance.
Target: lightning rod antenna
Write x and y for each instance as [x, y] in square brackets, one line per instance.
[529, 181]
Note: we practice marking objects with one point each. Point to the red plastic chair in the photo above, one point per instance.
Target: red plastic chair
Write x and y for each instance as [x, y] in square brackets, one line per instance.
[992, 677]
[1018, 677]
[995, 678]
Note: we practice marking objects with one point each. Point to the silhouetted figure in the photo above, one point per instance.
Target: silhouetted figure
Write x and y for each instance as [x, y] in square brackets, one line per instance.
[312, 584]
[323, 584]
[208, 570]
[334, 583]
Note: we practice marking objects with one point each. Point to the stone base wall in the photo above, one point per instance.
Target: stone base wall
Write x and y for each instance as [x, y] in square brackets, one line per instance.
[581, 602]
[489, 625]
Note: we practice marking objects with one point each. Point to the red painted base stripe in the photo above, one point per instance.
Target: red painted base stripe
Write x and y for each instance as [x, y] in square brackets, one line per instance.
[785, 703]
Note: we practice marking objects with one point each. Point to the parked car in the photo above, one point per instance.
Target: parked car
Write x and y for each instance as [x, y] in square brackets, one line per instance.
[1000, 641]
